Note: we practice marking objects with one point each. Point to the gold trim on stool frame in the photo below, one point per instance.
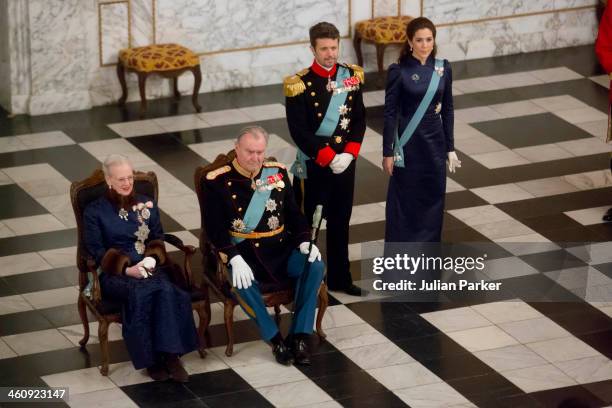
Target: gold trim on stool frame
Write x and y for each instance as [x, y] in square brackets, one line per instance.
[129, 27]
[256, 47]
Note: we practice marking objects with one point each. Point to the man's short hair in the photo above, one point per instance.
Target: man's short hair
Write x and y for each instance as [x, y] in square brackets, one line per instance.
[323, 30]
[254, 130]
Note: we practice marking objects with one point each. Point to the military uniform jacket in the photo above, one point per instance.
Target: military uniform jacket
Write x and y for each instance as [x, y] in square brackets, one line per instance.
[307, 100]
[228, 192]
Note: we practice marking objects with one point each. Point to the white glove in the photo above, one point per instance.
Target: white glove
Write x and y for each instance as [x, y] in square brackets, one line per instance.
[453, 161]
[314, 251]
[242, 274]
[340, 162]
[146, 266]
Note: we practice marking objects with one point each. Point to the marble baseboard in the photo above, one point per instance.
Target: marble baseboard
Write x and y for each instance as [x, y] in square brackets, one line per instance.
[59, 102]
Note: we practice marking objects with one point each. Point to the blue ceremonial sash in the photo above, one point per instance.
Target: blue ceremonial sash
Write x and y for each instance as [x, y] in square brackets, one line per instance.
[398, 149]
[327, 126]
[257, 205]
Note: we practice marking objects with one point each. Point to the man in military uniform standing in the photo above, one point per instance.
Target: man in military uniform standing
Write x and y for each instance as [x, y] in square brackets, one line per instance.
[252, 219]
[326, 118]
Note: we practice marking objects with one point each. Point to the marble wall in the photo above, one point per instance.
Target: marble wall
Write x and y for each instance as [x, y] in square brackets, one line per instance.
[469, 29]
[61, 51]
[214, 25]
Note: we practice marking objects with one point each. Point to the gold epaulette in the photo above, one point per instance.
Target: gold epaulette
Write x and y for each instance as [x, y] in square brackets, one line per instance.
[275, 164]
[358, 72]
[293, 85]
[211, 175]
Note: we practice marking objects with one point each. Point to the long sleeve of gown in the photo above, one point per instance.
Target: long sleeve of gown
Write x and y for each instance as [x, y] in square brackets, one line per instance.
[448, 110]
[92, 234]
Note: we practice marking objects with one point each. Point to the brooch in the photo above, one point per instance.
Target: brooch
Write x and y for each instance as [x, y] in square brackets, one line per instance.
[439, 70]
[438, 107]
[123, 214]
[415, 77]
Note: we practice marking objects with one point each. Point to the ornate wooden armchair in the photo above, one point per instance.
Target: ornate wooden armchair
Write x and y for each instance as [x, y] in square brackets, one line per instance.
[216, 273]
[90, 297]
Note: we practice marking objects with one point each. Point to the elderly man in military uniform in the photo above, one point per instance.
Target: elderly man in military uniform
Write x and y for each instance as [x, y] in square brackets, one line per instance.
[254, 222]
[326, 118]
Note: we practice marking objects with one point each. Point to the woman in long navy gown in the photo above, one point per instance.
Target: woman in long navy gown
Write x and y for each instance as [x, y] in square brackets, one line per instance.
[415, 198]
[157, 320]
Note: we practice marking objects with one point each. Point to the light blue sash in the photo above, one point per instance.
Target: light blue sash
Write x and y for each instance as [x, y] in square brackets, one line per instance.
[398, 150]
[257, 205]
[327, 126]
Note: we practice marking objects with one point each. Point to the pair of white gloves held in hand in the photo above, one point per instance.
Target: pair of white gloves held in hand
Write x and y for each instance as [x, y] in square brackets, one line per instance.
[142, 269]
[340, 162]
[242, 274]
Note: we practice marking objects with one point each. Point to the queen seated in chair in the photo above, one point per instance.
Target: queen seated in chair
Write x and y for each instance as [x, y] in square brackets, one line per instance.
[123, 232]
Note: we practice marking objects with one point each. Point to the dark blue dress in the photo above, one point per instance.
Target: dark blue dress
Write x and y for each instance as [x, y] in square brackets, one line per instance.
[156, 314]
[415, 198]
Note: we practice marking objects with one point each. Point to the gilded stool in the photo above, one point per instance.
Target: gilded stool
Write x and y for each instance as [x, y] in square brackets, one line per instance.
[381, 31]
[167, 60]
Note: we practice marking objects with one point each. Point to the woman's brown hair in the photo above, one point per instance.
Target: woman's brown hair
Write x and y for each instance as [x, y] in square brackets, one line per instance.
[415, 25]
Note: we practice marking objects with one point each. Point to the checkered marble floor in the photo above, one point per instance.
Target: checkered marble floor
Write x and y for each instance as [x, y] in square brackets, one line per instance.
[534, 185]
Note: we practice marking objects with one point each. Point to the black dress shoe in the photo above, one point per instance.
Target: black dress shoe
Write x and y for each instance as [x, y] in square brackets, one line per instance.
[176, 369]
[299, 347]
[158, 372]
[608, 216]
[355, 290]
[282, 354]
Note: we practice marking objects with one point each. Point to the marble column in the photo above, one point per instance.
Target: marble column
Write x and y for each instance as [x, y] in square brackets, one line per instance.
[19, 55]
[59, 55]
[5, 62]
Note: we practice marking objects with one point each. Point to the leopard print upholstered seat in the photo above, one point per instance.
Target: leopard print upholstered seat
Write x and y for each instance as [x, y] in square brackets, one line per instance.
[381, 31]
[158, 57]
[167, 60]
[384, 30]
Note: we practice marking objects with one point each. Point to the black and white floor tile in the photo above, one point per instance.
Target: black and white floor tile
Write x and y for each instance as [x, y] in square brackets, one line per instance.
[534, 184]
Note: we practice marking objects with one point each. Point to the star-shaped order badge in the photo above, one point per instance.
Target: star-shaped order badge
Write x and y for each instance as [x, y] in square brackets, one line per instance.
[238, 225]
[273, 223]
[143, 232]
[271, 205]
[343, 109]
[344, 123]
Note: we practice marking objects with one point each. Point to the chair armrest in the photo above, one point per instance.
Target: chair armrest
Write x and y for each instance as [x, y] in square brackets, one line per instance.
[188, 250]
[215, 270]
[178, 243]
